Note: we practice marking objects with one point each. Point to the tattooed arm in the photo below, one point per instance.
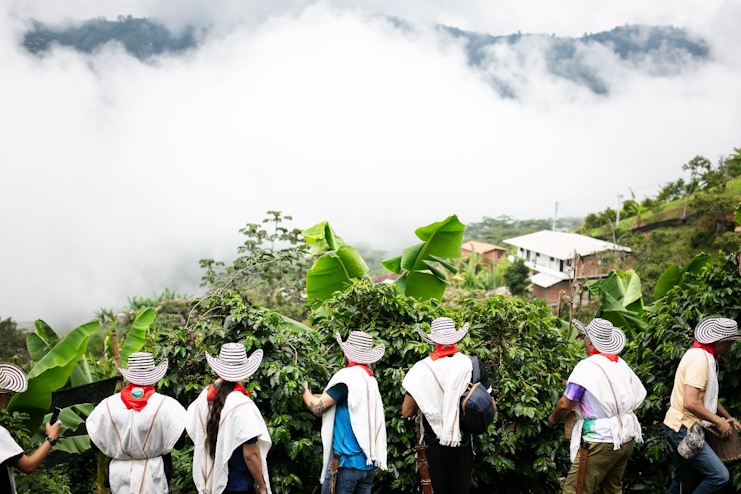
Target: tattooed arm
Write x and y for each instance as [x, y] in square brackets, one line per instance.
[317, 404]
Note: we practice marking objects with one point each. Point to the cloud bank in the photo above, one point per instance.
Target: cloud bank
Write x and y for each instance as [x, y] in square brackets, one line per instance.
[119, 175]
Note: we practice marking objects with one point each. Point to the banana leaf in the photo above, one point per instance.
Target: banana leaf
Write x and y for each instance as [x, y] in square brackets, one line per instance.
[673, 275]
[337, 265]
[57, 365]
[42, 341]
[51, 373]
[35, 402]
[420, 265]
[621, 300]
[136, 336]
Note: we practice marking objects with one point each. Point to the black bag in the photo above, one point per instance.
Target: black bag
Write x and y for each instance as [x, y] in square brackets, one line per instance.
[477, 411]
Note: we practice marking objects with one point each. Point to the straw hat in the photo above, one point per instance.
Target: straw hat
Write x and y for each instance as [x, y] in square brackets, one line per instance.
[359, 348]
[443, 332]
[12, 379]
[605, 337]
[713, 329]
[232, 364]
[141, 369]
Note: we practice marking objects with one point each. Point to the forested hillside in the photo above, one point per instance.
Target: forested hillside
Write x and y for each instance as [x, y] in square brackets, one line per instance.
[140, 37]
[662, 50]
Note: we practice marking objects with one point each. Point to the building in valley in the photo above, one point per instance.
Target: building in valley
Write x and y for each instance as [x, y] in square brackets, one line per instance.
[560, 259]
[489, 252]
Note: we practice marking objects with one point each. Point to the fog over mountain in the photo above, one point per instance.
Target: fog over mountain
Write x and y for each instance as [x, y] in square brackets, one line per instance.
[656, 50]
[121, 168]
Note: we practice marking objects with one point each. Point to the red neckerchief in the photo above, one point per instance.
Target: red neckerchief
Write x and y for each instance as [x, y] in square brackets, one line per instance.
[443, 351]
[213, 391]
[708, 348]
[362, 366]
[139, 403]
[611, 356]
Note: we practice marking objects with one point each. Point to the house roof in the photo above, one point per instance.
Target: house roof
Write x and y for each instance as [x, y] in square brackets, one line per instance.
[544, 280]
[562, 245]
[480, 247]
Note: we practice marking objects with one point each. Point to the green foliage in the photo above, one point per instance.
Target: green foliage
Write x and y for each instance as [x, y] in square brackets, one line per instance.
[620, 299]
[655, 355]
[271, 269]
[418, 265]
[337, 265]
[673, 276]
[713, 205]
[136, 335]
[474, 273]
[14, 342]
[293, 352]
[495, 230]
[529, 357]
[517, 277]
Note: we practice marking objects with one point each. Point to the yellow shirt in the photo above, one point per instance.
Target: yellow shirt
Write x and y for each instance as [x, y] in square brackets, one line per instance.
[693, 372]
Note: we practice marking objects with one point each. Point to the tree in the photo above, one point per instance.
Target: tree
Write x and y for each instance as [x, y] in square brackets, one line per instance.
[14, 342]
[714, 206]
[517, 277]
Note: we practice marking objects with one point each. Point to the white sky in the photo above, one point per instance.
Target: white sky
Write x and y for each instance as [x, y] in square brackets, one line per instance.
[118, 176]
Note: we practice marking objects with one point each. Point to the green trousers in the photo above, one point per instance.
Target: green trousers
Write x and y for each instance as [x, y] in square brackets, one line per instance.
[605, 468]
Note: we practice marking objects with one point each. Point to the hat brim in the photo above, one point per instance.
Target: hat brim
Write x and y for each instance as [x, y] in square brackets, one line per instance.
[359, 356]
[12, 378]
[145, 378]
[235, 373]
[706, 333]
[444, 338]
[613, 345]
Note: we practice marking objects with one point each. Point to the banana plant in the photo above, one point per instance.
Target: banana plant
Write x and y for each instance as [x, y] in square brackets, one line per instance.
[621, 300]
[418, 265]
[51, 372]
[673, 275]
[337, 265]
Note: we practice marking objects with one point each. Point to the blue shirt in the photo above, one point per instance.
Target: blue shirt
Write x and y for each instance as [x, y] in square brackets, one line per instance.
[343, 439]
[240, 479]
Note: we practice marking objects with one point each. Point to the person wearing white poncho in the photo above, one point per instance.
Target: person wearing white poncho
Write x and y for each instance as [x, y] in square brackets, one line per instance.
[136, 428]
[13, 380]
[434, 385]
[694, 400]
[353, 423]
[230, 436]
[604, 392]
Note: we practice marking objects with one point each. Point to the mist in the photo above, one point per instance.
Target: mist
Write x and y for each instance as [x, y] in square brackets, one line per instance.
[119, 175]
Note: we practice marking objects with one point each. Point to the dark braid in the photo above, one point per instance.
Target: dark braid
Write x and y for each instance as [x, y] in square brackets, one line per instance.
[214, 415]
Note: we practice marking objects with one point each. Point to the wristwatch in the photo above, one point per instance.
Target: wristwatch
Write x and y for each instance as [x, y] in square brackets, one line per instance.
[52, 441]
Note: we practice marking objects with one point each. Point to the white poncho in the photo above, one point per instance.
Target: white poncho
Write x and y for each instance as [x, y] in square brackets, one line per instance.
[366, 416]
[8, 449]
[619, 392]
[437, 386]
[136, 441]
[240, 422]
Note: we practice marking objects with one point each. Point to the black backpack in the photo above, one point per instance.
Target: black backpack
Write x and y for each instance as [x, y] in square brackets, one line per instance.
[477, 411]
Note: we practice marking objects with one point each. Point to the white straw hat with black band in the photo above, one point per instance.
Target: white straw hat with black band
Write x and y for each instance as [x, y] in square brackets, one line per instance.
[359, 348]
[233, 365]
[605, 337]
[12, 379]
[712, 329]
[443, 332]
[141, 370]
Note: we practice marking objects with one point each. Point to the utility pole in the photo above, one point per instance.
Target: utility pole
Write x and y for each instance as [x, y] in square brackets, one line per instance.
[555, 215]
[620, 206]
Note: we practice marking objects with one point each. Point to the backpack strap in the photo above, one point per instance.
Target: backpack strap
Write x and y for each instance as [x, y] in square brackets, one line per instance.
[476, 370]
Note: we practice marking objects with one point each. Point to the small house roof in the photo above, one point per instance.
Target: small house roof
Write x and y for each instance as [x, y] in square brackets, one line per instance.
[544, 280]
[480, 247]
[562, 245]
